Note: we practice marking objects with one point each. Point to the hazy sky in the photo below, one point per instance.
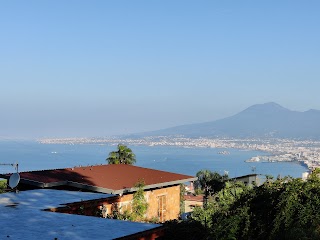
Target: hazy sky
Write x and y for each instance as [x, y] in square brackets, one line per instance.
[98, 68]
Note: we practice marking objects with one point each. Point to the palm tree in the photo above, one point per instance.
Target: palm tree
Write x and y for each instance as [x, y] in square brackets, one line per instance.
[123, 155]
[210, 183]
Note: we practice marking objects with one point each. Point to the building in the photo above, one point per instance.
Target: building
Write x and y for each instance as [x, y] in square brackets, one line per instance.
[161, 189]
[191, 201]
[22, 216]
[248, 180]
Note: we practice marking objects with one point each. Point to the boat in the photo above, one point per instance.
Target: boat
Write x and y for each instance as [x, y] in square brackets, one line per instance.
[224, 152]
[253, 159]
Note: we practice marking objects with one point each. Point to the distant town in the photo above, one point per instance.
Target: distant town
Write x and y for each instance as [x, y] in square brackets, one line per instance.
[306, 152]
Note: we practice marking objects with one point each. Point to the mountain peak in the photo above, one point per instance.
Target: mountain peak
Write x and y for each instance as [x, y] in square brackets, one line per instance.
[261, 120]
[266, 107]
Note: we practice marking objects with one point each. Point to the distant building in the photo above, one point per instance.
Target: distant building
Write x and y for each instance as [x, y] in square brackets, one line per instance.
[191, 201]
[189, 187]
[162, 189]
[248, 180]
[305, 176]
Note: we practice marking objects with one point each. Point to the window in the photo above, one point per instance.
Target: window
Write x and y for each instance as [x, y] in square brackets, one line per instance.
[162, 207]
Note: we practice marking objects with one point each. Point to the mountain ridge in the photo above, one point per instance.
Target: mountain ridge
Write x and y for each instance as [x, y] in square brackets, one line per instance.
[259, 120]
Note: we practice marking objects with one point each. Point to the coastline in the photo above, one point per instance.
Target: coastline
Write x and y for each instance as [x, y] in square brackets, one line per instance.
[35, 156]
[281, 150]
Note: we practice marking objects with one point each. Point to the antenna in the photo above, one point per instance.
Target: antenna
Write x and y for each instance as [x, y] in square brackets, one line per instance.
[15, 177]
[15, 165]
[14, 180]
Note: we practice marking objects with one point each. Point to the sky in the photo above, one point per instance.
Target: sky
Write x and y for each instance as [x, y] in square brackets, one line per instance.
[100, 68]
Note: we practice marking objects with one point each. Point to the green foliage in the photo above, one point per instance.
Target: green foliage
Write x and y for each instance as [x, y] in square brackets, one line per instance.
[210, 182]
[153, 220]
[139, 207]
[203, 215]
[139, 203]
[126, 216]
[116, 214]
[219, 203]
[3, 185]
[182, 193]
[280, 209]
[284, 208]
[198, 191]
[123, 155]
[227, 196]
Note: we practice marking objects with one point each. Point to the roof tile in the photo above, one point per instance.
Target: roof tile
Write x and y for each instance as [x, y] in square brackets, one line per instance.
[112, 176]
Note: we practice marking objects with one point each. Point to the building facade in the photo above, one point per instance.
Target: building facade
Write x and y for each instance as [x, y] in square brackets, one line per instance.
[161, 189]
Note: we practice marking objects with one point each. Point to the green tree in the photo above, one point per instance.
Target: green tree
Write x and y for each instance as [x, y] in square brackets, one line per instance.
[284, 208]
[209, 182]
[139, 203]
[139, 206]
[123, 155]
[221, 202]
[182, 193]
[278, 209]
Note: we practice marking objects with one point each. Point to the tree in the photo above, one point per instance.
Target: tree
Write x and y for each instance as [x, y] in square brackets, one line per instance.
[210, 182]
[123, 155]
[139, 203]
[182, 193]
[278, 209]
[284, 208]
[220, 203]
[139, 206]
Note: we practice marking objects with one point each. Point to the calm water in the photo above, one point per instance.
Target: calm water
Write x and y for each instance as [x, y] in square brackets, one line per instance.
[35, 156]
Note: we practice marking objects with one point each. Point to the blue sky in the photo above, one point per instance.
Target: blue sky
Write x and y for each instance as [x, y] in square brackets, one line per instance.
[99, 68]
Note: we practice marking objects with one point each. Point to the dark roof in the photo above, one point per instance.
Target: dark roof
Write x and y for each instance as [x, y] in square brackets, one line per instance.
[245, 176]
[113, 178]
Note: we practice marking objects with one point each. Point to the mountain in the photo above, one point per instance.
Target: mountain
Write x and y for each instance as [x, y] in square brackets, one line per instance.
[261, 120]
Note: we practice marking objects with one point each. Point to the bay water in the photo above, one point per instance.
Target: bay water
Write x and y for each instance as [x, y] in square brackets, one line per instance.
[31, 155]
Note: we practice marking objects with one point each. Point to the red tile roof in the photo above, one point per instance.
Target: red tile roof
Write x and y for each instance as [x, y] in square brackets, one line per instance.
[197, 198]
[114, 178]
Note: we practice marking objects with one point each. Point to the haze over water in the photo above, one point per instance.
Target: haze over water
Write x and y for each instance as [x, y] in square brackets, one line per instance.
[102, 68]
[36, 156]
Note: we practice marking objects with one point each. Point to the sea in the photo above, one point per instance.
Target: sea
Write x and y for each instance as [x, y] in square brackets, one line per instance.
[31, 155]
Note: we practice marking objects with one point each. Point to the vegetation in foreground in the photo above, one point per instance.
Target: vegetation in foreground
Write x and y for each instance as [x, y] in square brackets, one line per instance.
[3, 185]
[137, 210]
[279, 209]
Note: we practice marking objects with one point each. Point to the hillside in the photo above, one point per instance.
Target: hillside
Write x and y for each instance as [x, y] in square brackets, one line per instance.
[261, 120]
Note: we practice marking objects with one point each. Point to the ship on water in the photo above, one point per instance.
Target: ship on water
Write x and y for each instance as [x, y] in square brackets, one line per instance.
[253, 159]
[224, 152]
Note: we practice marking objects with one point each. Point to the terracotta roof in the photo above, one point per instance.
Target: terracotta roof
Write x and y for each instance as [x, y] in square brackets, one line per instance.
[197, 198]
[114, 178]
